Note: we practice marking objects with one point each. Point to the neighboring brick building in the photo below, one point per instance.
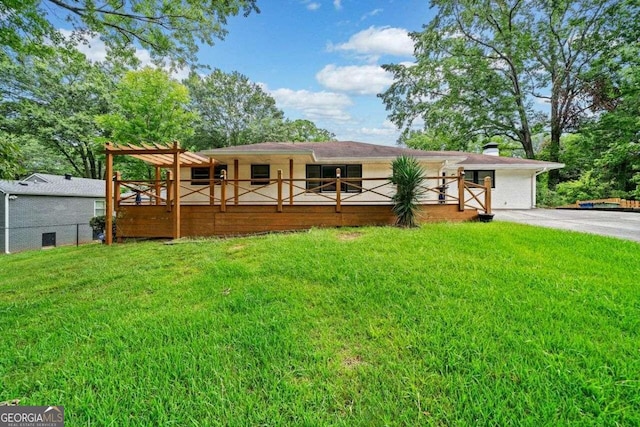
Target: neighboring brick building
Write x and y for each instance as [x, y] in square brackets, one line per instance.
[48, 210]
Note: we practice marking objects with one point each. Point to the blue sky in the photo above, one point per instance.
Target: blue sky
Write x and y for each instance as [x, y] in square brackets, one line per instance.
[320, 59]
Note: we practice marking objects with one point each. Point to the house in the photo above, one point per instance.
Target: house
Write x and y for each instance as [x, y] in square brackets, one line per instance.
[45, 210]
[283, 186]
[513, 180]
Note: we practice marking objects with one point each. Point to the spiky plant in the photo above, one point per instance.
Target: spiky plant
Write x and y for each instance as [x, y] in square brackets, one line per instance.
[408, 175]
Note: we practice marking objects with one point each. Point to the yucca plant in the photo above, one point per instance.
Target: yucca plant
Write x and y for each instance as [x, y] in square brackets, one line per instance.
[408, 175]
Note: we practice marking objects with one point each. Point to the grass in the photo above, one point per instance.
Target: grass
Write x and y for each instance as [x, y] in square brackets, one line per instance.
[472, 324]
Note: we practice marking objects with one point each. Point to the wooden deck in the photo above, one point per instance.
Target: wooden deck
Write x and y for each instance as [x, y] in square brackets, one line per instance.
[156, 222]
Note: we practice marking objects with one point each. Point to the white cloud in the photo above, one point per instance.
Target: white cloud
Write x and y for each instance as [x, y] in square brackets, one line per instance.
[96, 51]
[376, 41]
[337, 4]
[313, 105]
[374, 12]
[361, 80]
[313, 6]
[387, 129]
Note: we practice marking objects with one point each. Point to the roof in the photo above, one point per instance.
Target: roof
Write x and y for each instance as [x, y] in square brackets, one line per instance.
[330, 151]
[158, 155]
[351, 150]
[40, 184]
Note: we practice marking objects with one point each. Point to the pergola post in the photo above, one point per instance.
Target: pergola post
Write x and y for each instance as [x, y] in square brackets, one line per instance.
[212, 183]
[176, 191]
[158, 186]
[109, 195]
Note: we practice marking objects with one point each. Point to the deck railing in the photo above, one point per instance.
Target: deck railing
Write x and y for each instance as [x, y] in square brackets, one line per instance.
[282, 191]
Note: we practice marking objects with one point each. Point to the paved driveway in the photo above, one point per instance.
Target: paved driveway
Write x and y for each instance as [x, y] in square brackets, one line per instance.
[624, 225]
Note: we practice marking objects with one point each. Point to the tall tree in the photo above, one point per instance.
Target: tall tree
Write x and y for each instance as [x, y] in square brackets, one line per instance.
[233, 110]
[52, 103]
[148, 106]
[166, 28]
[488, 68]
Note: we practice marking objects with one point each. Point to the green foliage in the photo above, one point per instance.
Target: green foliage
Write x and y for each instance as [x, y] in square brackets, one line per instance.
[99, 224]
[233, 110]
[166, 28]
[10, 157]
[303, 131]
[356, 327]
[407, 176]
[48, 106]
[481, 68]
[149, 107]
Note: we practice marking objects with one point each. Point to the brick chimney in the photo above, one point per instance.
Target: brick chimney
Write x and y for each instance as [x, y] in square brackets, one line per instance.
[491, 149]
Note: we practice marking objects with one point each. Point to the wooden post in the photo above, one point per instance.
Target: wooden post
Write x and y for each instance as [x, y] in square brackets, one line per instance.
[223, 192]
[109, 195]
[290, 182]
[116, 191]
[176, 190]
[461, 189]
[158, 186]
[212, 182]
[338, 201]
[487, 194]
[235, 183]
[169, 190]
[279, 190]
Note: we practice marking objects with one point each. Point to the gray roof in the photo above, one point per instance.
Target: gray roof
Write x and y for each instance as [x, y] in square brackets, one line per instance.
[41, 184]
[361, 151]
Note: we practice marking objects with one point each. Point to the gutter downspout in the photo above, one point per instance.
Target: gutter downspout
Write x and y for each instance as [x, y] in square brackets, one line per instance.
[6, 223]
[534, 182]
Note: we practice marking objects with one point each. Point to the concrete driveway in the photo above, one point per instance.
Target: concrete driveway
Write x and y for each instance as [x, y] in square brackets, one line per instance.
[624, 225]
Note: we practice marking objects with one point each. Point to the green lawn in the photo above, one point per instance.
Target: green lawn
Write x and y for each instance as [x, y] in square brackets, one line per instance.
[450, 324]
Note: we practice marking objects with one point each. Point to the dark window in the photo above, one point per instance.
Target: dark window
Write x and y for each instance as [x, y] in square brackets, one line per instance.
[260, 174]
[329, 172]
[202, 174]
[477, 176]
[48, 239]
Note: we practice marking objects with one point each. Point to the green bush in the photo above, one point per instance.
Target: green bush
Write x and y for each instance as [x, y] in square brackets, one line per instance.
[408, 175]
[99, 223]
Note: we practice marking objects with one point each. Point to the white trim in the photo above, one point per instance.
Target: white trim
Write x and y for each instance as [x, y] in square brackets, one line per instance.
[6, 223]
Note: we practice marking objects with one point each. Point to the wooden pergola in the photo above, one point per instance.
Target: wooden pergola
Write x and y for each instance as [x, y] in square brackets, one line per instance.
[161, 157]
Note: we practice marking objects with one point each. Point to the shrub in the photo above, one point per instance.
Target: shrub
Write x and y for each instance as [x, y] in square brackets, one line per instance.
[408, 175]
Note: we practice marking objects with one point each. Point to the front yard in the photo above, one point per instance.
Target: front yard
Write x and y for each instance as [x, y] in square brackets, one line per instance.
[465, 324]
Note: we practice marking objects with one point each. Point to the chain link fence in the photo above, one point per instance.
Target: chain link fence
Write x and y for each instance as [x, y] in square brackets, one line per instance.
[17, 239]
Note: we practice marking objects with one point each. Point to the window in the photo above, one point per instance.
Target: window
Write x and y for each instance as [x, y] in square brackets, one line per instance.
[329, 172]
[99, 208]
[477, 176]
[48, 239]
[260, 174]
[199, 175]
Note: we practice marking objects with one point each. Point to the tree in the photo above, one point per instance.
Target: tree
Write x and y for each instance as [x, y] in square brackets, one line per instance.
[165, 28]
[303, 131]
[48, 106]
[149, 107]
[483, 67]
[9, 157]
[233, 110]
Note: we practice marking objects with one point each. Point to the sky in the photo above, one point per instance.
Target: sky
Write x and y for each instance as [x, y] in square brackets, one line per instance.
[320, 59]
